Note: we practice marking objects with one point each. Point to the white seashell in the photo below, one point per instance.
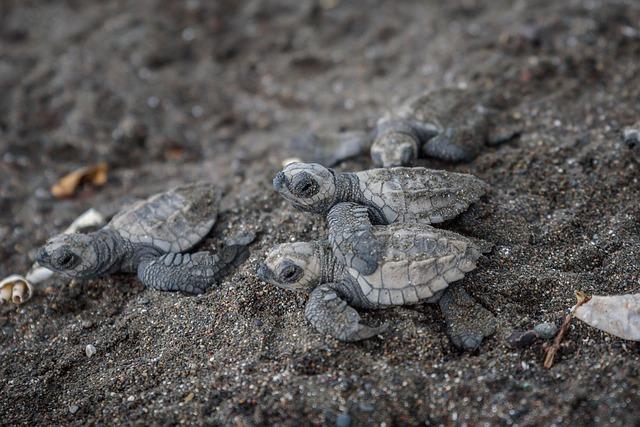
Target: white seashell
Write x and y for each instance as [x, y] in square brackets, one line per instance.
[6, 290]
[90, 350]
[18, 289]
[91, 218]
[38, 274]
[15, 289]
[618, 315]
[290, 160]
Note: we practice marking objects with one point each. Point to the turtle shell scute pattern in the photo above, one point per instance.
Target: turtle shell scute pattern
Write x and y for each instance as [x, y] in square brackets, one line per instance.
[419, 194]
[418, 262]
[173, 221]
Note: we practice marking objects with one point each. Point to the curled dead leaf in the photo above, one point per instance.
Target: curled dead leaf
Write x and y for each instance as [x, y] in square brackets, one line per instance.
[68, 185]
[174, 153]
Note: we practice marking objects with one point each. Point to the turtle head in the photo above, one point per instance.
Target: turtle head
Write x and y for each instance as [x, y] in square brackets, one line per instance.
[73, 255]
[294, 266]
[394, 149]
[310, 187]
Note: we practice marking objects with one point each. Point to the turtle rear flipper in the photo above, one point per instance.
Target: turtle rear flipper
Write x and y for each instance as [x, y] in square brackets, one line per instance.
[468, 322]
[330, 314]
[194, 273]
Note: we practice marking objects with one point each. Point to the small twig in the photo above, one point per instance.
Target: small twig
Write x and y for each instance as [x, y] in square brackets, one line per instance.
[552, 349]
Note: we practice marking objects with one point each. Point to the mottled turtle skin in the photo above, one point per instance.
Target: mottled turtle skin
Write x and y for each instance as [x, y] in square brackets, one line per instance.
[149, 238]
[414, 263]
[391, 194]
[448, 124]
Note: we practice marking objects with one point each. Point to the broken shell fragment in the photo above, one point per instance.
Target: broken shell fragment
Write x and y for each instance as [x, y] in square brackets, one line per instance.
[90, 218]
[38, 274]
[290, 160]
[618, 315]
[16, 289]
[90, 350]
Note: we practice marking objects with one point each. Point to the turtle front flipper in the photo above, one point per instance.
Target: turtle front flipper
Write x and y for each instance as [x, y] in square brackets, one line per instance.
[351, 236]
[468, 322]
[454, 145]
[193, 273]
[330, 314]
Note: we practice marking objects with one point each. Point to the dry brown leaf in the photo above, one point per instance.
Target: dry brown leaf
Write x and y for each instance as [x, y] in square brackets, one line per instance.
[618, 315]
[68, 185]
[174, 153]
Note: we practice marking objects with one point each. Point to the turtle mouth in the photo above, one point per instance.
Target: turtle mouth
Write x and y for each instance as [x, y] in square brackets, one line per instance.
[265, 274]
[280, 181]
[42, 257]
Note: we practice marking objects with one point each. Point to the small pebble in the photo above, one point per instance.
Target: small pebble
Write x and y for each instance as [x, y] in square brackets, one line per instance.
[290, 160]
[143, 300]
[344, 385]
[257, 322]
[522, 339]
[42, 194]
[90, 350]
[631, 135]
[188, 34]
[86, 324]
[153, 102]
[546, 330]
[343, 420]
[73, 408]
[367, 407]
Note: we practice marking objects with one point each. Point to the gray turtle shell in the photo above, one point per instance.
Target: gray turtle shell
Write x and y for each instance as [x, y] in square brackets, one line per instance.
[173, 221]
[449, 107]
[417, 263]
[419, 194]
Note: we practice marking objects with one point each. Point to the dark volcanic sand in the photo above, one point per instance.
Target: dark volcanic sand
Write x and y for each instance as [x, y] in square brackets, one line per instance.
[222, 87]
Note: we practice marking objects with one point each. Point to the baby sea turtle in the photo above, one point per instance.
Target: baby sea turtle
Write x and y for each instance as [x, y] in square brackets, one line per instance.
[391, 194]
[149, 238]
[448, 124]
[412, 263]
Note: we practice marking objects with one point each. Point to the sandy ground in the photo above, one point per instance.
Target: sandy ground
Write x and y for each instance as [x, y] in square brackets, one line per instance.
[220, 88]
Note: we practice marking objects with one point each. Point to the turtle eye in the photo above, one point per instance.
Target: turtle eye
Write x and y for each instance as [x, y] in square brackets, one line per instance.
[289, 273]
[305, 185]
[68, 260]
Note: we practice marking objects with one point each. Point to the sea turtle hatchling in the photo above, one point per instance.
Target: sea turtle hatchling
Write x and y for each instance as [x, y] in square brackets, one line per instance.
[449, 124]
[413, 263]
[391, 194]
[149, 238]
